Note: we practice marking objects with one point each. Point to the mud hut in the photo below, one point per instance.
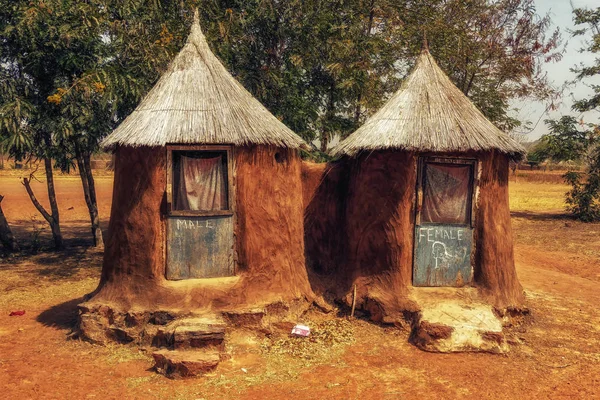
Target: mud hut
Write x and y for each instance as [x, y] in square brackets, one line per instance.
[418, 198]
[205, 215]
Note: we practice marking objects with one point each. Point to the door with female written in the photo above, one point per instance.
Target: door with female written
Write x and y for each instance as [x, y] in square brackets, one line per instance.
[201, 215]
[443, 228]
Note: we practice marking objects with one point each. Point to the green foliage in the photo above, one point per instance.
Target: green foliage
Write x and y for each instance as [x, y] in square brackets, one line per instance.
[566, 140]
[76, 69]
[317, 64]
[583, 200]
[539, 153]
[590, 18]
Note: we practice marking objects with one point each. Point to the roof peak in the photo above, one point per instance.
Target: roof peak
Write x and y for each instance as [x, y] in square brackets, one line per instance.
[197, 101]
[196, 29]
[428, 114]
[196, 16]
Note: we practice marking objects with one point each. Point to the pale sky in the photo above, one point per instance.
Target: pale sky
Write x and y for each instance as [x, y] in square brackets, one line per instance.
[559, 72]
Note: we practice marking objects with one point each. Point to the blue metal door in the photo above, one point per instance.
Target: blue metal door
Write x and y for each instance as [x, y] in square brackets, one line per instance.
[443, 229]
[201, 219]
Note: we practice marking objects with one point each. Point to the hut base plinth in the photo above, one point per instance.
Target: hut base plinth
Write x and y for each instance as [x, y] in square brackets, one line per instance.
[183, 343]
[456, 320]
[173, 329]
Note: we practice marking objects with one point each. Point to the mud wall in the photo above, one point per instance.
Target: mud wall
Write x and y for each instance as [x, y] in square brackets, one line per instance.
[380, 226]
[134, 246]
[359, 230]
[269, 236]
[495, 271]
[325, 192]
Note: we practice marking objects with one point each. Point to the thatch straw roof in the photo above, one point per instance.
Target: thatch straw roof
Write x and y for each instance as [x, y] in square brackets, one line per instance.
[198, 101]
[428, 113]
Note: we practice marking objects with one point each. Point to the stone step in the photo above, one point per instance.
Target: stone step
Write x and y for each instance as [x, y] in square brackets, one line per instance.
[191, 332]
[199, 333]
[453, 325]
[185, 363]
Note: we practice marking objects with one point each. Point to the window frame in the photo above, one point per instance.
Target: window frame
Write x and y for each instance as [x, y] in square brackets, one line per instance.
[228, 150]
[473, 186]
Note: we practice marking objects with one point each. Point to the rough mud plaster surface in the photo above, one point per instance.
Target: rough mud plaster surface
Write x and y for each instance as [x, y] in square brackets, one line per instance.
[380, 225]
[269, 237]
[325, 191]
[356, 224]
[494, 257]
[359, 224]
[270, 223]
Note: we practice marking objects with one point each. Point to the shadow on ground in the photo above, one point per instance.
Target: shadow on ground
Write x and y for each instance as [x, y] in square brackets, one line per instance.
[536, 216]
[62, 316]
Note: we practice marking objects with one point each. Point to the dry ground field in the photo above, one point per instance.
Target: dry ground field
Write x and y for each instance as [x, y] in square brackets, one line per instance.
[556, 354]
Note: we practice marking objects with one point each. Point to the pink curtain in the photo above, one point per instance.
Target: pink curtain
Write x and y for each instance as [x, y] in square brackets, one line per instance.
[202, 184]
[446, 194]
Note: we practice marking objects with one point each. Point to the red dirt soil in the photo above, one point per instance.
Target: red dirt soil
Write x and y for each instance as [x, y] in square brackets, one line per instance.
[554, 355]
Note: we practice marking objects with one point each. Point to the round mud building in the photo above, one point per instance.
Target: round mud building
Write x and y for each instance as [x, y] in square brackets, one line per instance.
[207, 213]
[416, 206]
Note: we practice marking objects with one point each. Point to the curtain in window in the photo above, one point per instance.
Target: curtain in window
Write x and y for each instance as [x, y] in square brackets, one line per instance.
[202, 184]
[446, 194]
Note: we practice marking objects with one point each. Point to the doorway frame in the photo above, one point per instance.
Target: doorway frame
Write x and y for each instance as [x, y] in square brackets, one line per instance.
[475, 164]
[231, 196]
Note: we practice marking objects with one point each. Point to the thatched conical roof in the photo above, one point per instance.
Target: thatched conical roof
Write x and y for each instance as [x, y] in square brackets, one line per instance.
[197, 101]
[428, 113]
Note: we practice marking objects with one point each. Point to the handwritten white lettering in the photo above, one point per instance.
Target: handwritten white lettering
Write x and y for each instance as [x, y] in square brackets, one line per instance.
[184, 224]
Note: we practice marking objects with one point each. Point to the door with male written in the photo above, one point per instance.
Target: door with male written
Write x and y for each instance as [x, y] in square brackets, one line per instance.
[443, 228]
[200, 224]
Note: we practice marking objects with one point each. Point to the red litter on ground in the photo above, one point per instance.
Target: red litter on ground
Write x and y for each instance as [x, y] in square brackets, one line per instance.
[16, 313]
[301, 330]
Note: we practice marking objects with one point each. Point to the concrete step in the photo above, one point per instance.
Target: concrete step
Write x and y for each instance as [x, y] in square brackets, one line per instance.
[185, 363]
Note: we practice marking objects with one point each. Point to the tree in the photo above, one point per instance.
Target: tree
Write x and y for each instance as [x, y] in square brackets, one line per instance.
[590, 18]
[583, 200]
[28, 62]
[492, 50]
[568, 140]
[323, 66]
[71, 71]
[6, 237]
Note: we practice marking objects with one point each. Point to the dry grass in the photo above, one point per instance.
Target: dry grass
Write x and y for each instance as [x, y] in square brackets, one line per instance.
[29, 282]
[537, 197]
[58, 175]
[326, 340]
[555, 177]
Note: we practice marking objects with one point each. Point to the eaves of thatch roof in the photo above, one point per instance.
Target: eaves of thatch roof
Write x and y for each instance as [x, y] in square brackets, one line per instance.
[428, 114]
[197, 101]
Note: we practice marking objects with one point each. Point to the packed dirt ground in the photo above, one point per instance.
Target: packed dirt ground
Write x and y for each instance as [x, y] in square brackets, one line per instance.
[555, 354]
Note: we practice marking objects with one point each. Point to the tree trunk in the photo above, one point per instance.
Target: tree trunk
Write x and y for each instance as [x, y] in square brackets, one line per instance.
[6, 237]
[52, 219]
[55, 224]
[367, 33]
[328, 115]
[89, 192]
[324, 142]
